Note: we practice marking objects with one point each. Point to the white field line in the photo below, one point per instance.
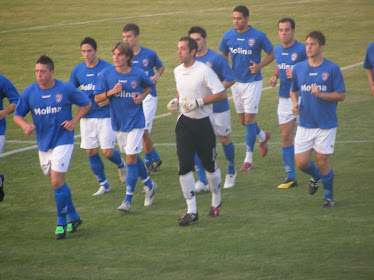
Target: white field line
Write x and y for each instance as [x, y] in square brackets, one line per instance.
[149, 15]
[171, 144]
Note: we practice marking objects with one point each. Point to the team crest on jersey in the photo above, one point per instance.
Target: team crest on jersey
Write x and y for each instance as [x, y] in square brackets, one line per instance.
[293, 56]
[145, 62]
[58, 97]
[134, 84]
[209, 64]
[251, 42]
[325, 76]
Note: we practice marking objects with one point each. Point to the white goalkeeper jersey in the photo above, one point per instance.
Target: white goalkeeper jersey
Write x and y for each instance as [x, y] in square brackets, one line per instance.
[197, 81]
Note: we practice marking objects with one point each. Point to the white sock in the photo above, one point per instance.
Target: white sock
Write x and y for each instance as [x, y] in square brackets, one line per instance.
[187, 182]
[261, 136]
[214, 180]
[248, 157]
[191, 205]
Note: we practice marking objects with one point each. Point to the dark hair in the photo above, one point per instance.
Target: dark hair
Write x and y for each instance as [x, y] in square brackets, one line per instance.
[89, 41]
[131, 27]
[197, 29]
[242, 9]
[124, 49]
[47, 61]
[192, 45]
[287, 19]
[318, 35]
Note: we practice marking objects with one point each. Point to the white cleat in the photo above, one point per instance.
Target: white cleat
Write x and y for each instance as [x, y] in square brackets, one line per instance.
[125, 206]
[149, 195]
[230, 180]
[201, 187]
[122, 172]
[101, 191]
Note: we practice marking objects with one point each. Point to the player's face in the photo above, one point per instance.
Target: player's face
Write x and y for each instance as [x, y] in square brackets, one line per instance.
[184, 54]
[240, 22]
[201, 42]
[313, 48]
[88, 53]
[119, 59]
[43, 75]
[285, 32]
[130, 38]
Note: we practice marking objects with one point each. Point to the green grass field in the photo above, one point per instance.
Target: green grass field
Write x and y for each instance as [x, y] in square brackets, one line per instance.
[262, 232]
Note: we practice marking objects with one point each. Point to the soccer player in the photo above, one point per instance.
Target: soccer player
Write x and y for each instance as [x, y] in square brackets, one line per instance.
[286, 55]
[197, 87]
[320, 85]
[50, 102]
[96, 128]
[245, 45]
[221, 110]
[9, 91]
[369, 66]
[126, 87]
[147, 60]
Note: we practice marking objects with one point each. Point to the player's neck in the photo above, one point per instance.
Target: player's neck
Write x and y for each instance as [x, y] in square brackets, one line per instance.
[315, 61]
[136, 49]
[288, 44]
[50, 84]
[93, 63]
[123, 69]
[189, 63]
[202, 52]
[244, 29]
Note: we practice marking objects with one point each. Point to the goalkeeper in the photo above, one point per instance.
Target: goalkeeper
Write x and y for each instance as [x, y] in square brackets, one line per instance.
[198, 87]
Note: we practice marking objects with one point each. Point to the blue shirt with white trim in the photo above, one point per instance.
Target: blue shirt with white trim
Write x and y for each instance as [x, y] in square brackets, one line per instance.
[9, 91]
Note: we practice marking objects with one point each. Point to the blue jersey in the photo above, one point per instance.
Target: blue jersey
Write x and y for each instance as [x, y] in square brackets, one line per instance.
[285, 59]
[7, 90]
[85, 78]
[147, 60]
[245, 47]
[316, 112]
[125, 114]
[223, 71]
[49, 109]
[369, 57]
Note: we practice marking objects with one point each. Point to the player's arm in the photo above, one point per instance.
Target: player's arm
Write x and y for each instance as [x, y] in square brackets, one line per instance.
[158, 74]
[225, 56]
[27, 128]
[294, 95]
[370, 74]
[100, 97]
[254, 68]
[274, 78]
[83, 110]
[214, 98]
[328, 96]
[227, 84]
[8, 110]
[140, 96]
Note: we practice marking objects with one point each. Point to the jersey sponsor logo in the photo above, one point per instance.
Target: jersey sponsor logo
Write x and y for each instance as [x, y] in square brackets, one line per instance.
[240, 39]
[145, 62]
[313, 74]
[47, 110]
[325, 76]
[126, 94]
[87, 87]
[309, 87]
[284, 53]
[134, 84]
[240, 51]
[251, 42]
[46, 96]
[284, 66]
[58, 97]
[293, 56]
[90, 75]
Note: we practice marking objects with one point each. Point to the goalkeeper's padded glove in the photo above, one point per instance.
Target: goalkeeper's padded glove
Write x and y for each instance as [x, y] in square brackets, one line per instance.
[190, 104]
[173, 106]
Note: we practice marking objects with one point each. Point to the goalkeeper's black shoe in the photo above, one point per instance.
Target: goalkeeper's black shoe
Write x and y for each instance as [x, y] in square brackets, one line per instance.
[1, 187]
[313, 185]
[188, 218]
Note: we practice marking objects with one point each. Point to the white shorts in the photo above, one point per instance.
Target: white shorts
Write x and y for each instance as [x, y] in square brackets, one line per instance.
[57, 159]
[284, 111]
[221, 123]
[149, 108]
[321, 140]
[2, 143]
[246, 96]
[130, 143]
[97, 132]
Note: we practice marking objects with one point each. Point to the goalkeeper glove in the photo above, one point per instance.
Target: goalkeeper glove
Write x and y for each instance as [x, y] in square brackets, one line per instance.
[190, 104]
[173, 106]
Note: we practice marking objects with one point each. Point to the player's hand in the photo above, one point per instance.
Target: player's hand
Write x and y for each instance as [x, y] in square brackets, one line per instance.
[138, 98]
[173, 106]
[289, 73]
[154, 78]
[273, 81]
[68, 125]
[296, 109]
[190, 104]
[103, 103]
[28, 129]
[315, 91]
[254, 67]
[116, 89]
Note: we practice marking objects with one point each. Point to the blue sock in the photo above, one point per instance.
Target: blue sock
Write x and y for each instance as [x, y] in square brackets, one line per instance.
[313, 171]
[131, 179]
[148, 158]
[258, 129]
[97, 167]
[250, 136]
[72, 213]
[155, 156]
[116, 159]
[288, 161]
[61, 204]
[229, 151]
[142, 173]
[200, 170]
[328, 182]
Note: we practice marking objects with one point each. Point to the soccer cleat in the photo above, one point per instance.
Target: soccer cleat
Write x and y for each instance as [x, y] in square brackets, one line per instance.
[214, 211]
[149, 195]
[72, 226]
[156, 165]
[60, 232]
[328, 203]
[101, 191]
[125, 206]
[149, 167]
[288, 182]
[1, 187]
[313, 185]
[201, 187]
[264, 145]
[188, 218]
[229, 180]
[122, 172]
[246, 166]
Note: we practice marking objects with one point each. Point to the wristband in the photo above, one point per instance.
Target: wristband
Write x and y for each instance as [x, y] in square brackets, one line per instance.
[106, 94]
